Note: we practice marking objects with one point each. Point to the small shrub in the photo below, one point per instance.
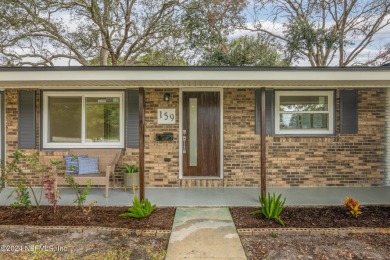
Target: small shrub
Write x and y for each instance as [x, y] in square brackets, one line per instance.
[271, 207]
[352, 207]
[81, 194]
[51, 195]
[20, 161]
[140, 209]
[22, 198]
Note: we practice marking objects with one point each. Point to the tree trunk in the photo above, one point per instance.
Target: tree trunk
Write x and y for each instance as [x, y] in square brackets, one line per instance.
[103, 56]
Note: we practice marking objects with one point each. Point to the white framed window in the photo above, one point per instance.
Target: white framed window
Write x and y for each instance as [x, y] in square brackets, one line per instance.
[304, 112]
[74, 119]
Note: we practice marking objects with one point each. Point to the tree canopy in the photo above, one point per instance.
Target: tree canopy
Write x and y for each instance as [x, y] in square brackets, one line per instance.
[190, 32]
[257, 50]
[321, 30]
[112, 32]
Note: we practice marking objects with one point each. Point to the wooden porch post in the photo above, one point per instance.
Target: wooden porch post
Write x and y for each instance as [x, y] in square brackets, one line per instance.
[263, 144]
[141, 99]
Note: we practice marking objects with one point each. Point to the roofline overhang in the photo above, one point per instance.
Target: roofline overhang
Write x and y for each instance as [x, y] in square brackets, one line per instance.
[272, 76]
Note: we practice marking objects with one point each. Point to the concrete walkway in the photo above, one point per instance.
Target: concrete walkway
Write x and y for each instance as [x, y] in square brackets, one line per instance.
[204, 233]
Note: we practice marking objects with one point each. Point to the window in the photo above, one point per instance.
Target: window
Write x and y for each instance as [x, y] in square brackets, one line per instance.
[304, 112]
[77, 120]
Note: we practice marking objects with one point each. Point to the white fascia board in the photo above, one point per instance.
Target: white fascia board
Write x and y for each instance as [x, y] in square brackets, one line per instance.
[146, 75]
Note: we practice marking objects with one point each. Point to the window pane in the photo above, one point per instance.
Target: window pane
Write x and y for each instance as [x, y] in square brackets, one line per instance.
[65, 119]
[303, 103]
[102, 119]
[193, 132]
[304, 121]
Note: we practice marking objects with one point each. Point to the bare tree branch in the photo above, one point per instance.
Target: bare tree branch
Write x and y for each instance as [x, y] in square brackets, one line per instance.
[316, 28]
[90, 32]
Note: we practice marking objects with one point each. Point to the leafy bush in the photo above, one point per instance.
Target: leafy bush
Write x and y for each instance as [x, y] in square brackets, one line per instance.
[140, 209]
[81, 194]
[22, 198]
[352, 206]
[271, 207]
[17, 166]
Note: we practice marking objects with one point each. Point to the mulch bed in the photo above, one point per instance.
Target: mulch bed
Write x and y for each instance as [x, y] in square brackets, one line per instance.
[314, 217]
[161, 219]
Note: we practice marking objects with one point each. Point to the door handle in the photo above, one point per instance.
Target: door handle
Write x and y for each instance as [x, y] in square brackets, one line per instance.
[184, 141]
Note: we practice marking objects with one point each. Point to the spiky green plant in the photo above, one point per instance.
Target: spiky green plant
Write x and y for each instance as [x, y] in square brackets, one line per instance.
[140, 209]
[271, 207]
[130, 168]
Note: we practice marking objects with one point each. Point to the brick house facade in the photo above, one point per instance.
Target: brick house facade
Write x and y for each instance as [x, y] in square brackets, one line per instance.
[339, 159]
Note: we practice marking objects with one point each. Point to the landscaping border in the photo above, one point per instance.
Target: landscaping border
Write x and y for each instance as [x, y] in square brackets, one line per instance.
[85, 229]
[167, 233]
[311, 231]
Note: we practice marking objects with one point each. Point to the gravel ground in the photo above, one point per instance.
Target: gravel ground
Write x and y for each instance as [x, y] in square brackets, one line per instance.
[17, 245]
[293, 246]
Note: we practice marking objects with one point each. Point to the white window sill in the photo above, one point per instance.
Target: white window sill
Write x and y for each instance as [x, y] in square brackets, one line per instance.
[71, 146]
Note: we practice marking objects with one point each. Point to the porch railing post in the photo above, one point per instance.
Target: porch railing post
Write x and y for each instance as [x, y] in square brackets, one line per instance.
[141, 99]
[263, 144]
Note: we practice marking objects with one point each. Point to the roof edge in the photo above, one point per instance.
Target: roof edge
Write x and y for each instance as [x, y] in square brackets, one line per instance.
[191, 68]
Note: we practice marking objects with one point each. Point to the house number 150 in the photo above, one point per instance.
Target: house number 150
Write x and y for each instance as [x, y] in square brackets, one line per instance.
[166, 116]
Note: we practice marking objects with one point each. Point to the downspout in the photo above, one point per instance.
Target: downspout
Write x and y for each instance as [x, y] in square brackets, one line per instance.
[141, 99]
[387, 153]
[263, 144]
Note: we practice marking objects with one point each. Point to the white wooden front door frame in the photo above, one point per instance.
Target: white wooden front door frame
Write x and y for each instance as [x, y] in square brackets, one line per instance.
[181, 90]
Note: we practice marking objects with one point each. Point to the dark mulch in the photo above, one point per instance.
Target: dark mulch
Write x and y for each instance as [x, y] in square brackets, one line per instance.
[314, 217]
[161, 219]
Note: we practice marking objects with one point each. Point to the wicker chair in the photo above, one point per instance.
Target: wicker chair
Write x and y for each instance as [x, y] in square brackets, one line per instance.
[107, 160]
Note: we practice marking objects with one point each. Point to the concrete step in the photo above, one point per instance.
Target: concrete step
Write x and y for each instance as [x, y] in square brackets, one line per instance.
[188, 183]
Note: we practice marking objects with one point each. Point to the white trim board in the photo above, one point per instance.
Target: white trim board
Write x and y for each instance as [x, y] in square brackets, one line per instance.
[181, 90]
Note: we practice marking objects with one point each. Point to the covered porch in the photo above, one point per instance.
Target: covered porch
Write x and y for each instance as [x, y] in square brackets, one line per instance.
[209, 197]
[341, 156]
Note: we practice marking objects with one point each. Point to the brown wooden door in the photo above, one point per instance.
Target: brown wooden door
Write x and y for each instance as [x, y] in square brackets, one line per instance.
[201, 134]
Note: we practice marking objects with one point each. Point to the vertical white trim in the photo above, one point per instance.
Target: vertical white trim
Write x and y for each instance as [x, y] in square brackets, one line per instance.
[181, 90]
[180, 134]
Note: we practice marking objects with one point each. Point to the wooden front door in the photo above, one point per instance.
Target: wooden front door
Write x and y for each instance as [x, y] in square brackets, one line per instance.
[201, 134]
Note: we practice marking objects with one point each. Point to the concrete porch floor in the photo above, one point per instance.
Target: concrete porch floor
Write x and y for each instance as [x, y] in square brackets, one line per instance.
[210, 197]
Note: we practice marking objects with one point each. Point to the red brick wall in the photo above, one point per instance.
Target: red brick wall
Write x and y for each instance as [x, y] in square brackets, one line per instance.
[159, 173]
[241, 144]
[343, 160]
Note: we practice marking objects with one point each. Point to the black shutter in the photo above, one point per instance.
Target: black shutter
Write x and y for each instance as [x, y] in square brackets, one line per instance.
[348, 111]
[269, 111]
[26, 120]
[132, 124]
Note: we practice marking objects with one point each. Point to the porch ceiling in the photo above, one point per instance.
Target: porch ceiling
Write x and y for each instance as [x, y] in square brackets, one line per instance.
[167, 77]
